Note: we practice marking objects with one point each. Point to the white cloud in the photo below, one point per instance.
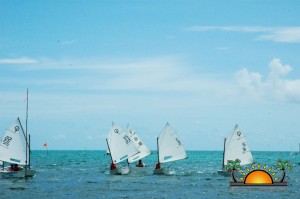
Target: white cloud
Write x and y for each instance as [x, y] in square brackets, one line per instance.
[167, 73]
[250, 82]
[20, 60]
[287, 35]
[107, 82]
[278, 69]
[275, 87]
[229, 28]
[155, 75]
[275, 34]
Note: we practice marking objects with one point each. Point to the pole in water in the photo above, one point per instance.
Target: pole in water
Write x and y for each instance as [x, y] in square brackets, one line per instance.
[46, 147]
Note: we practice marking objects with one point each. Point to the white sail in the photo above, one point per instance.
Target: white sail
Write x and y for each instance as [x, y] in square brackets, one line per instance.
[120, 145]
[170, 147]
[143, 150]
[236, 148]
[13, 145]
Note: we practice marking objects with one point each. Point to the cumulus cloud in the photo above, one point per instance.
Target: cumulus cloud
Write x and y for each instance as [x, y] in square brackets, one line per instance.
[278, 69]
[276, 86]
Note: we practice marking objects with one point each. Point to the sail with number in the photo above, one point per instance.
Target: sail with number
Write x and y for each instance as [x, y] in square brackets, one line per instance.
[169, 146]
[236, 148]
[120, 145]
[13, 145]
[143, 149]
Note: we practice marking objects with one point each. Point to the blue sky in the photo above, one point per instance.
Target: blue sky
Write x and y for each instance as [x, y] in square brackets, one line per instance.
[203, 66]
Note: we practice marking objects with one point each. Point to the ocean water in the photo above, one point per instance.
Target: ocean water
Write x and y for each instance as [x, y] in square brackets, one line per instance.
[85, 174]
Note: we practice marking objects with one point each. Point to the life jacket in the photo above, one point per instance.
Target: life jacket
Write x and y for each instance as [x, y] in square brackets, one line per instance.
[113, 166]
[157, 166]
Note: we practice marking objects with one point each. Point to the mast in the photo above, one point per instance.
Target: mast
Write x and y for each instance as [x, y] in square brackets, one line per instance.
[109, 151]
[157, 149]
[26, 127]
[223, 155]
[29, 151]
[27, 155]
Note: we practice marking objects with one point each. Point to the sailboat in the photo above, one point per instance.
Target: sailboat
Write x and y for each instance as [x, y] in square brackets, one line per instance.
[15, 149]
[120, 148]
[143, 149]
[169, 149]
[235, 147]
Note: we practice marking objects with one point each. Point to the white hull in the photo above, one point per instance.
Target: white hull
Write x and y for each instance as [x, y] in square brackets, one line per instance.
[7, 173]
[120, 171]
[30, 173]
[12, 174]
[165, 171]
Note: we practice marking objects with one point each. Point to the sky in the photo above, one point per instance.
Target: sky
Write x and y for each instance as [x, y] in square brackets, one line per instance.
[203, 66]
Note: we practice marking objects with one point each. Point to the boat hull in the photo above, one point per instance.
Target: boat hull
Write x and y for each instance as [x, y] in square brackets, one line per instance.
[30, 173]
[12, 174]
[164, 171]
[7, 173]
[120, 171]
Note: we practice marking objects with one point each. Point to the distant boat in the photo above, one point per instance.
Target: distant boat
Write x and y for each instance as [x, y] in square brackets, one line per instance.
[235, 147]
[169, 149]
[120, 148]
[15, 149]
[143, 149]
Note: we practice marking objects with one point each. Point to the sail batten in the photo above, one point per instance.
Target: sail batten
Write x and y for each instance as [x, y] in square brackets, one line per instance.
[170, 147]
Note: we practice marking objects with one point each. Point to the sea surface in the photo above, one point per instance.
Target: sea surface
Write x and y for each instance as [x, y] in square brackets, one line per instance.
[85, 174]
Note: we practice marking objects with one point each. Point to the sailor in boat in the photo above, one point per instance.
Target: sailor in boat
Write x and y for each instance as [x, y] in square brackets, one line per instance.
[140, 164]
[113, 166]
[158, 166]
[11, 167]
[15, 167]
